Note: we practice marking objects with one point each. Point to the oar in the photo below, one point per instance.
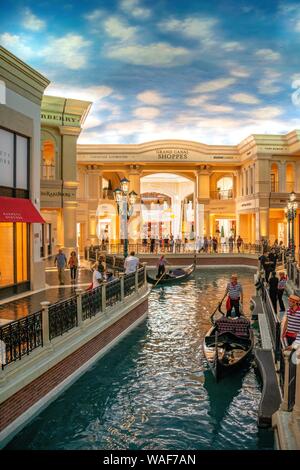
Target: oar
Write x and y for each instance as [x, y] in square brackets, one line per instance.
[158, 280]
[218, 306]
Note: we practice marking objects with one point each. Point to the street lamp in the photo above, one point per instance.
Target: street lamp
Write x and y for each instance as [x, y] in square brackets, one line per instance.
[290, 212]
[125, 204]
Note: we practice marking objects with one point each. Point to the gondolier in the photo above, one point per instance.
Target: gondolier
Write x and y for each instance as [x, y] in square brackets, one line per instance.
[235, 296]
[291, 321]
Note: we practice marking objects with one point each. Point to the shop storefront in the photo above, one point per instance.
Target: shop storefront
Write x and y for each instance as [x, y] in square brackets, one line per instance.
[16, 213]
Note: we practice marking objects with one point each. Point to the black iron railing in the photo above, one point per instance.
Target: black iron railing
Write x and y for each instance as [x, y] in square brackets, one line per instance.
[274, 323]
[20, 337]
[113, 292]
[129, 284]
[91, 303]
[141, 276]
[62, 317]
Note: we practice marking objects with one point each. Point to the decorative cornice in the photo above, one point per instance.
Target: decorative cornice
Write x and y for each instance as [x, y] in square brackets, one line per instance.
[21, 78]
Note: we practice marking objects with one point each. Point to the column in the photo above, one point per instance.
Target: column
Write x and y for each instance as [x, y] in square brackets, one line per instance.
[70, 242]
[134, 228]
[297, 177]
[282, 177]
[202, 197]
[262, 224]
[262, 174]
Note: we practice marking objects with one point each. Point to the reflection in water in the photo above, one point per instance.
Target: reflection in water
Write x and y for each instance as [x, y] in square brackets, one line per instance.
[153, 389]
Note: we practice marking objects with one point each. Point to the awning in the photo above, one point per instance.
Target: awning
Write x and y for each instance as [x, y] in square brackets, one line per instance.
[19, 210]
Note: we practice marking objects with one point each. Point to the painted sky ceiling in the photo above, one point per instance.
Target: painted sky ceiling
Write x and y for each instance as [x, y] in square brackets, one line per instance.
[209, 71]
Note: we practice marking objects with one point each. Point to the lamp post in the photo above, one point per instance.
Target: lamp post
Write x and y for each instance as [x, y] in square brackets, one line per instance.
[125, 203]
[290, 212]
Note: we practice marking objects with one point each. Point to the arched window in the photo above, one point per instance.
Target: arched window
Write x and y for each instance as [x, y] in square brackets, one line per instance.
[290, 178]
[48, 160]
[225, 187]
[274, 178]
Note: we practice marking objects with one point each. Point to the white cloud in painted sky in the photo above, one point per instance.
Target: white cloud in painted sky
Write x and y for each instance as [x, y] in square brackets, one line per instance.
[244, 98]
[135, 8]
[118, 29]
[214, 85]
[197, 28]
[17, 44]
[93, 93]
[153, 55]
[32, 22]
[69, 51]
[268, 54]
[152, 97]
[146, 112]
[94, 15]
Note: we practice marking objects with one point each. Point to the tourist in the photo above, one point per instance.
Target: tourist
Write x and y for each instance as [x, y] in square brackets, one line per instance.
[281, 288]
[73, 265]
[198, 245]
[264, 264]
[273, 290]
[131, 263]
[152, 245]
[291, 322]
[161, 265]
[98, 276]
[109, 277]
[215, 244]
[205, 245]
[60, 261]
[272, 260]
[235, 296]
[239, 243]
[171, 244]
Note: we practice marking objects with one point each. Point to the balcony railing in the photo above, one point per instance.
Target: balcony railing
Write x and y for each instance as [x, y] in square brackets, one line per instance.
[288, 187]
[222, 194]
[48, 172]
[21, 337]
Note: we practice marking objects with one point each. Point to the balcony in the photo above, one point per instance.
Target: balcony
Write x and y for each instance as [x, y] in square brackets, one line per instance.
[222, 194]
[289, 187]
[48, 172]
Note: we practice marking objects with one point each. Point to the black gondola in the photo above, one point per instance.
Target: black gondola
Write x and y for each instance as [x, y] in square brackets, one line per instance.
[228, 344]
[177, 274]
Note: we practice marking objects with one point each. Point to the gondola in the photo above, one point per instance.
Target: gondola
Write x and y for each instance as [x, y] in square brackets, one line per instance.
[227, 345]
[176, 275]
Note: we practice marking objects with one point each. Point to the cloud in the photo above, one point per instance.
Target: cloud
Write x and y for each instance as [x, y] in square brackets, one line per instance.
[94, 15]
[133, 8]
[233, 46]
[68, 51]
[118, 29]
[268, 112]
[214, 85]
[32, 22]
[92, 121]
[197, 100]
[202, 29]
[17, 45]
[152, 97]
[153, 55]
[268, 54]
[216, 108]
[92, 93]
[146, 112]
[239, 72]
[244, 98]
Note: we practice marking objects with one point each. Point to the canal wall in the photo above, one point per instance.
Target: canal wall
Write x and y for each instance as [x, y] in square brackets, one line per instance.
[29, 385]
[221, 260]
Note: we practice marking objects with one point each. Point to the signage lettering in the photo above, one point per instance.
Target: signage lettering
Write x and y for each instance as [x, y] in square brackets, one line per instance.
[173, 154]
[57, 194]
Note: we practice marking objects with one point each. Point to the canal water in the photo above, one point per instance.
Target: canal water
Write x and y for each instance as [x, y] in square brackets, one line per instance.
[153, 390]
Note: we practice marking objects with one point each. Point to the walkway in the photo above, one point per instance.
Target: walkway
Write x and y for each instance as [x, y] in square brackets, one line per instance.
[27, 303]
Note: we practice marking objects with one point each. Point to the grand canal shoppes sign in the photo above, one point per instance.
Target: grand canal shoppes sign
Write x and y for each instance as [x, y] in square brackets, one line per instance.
[148, 153]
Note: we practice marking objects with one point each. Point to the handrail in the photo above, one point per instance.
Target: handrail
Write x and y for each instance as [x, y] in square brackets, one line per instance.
[21, 337]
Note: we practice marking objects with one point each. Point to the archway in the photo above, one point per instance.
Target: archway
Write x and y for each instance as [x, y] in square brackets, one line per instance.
[172, 210]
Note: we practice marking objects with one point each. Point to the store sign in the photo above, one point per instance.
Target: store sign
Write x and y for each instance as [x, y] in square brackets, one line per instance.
[61, 119]
[56, 196]
[6, 158]
[172, 154]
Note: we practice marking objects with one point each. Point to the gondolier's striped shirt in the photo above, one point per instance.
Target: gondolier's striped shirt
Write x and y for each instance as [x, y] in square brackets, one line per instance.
[293, 323]
[234, 290]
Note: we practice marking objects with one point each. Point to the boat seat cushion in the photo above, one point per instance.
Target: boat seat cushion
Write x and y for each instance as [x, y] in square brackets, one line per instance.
[239, 326]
